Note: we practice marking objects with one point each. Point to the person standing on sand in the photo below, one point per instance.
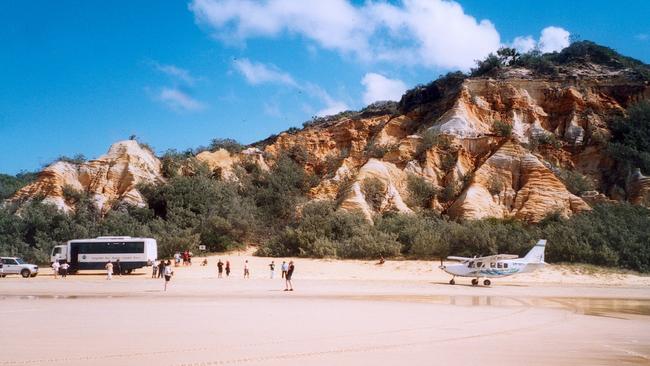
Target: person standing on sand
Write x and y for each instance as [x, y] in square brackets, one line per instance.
[227, 268]
[247, 272]
[284, 269]
[55, 268]
[272, 268]
[118, 268]
[154, 270]
[161, 268]
[64, 269]
[168, 273]
[220, 269]
[109, 270]
[288, 284]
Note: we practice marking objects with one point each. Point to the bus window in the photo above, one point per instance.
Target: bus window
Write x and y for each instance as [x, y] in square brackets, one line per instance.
[505, 265]
[471, 265]
[479, 264]
[492, 265]
[499, 265]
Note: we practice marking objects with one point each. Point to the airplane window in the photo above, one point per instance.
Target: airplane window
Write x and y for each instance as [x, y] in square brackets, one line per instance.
[505, 265]
[492, 265]
[499, 265]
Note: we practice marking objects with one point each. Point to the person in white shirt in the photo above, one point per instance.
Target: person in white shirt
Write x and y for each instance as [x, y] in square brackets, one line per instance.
[168, 273]
[285, 268]
[64, 269]
[109, 270]
[55, 268]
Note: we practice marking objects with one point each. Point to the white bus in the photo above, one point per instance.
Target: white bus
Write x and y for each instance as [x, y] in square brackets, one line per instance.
[92, 254]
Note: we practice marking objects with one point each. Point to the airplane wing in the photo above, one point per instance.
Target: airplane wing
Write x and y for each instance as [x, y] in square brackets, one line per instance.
[497, 257]
[453, 258]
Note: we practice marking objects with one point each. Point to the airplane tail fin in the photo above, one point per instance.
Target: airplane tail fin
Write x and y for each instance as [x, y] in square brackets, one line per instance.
[536, 255]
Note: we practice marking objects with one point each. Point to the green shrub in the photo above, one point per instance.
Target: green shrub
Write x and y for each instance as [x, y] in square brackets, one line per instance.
[230, 145]
[11, 184]
[501, 128]
[421, 191]
[374, 190]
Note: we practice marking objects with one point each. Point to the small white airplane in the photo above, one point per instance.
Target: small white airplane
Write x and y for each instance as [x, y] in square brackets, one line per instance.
[493, 266]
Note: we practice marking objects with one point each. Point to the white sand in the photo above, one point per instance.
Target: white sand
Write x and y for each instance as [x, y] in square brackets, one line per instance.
[342, 313]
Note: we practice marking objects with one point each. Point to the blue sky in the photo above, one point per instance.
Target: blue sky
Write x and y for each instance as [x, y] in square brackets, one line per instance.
[77, 76]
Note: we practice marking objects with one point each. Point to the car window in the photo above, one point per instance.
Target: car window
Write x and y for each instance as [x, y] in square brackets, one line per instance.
[20, 261]
[8, 261]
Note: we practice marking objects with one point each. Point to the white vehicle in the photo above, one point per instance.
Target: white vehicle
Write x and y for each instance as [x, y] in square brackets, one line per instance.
[493, 266]
[14, 265]
[92, 254]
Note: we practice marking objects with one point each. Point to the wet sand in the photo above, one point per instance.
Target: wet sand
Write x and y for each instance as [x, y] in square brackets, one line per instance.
[342, 312]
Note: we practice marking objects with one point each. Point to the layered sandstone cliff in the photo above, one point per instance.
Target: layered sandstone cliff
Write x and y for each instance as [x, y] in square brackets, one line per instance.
[442, 134]
[108, 180]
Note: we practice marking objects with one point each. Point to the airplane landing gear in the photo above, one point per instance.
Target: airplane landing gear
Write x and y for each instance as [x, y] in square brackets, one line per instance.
[474, 282]
[487, 282]
[452, 282]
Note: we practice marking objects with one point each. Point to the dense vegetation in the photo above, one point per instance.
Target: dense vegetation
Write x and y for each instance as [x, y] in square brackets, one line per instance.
[548, 64]
[11, 183]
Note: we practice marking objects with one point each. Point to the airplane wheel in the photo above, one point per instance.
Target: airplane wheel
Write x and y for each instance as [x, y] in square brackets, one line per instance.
[474, 282]
[452, 282]
[486, 282]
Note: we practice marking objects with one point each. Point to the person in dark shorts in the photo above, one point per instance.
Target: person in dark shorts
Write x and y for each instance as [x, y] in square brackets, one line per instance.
[289, 285]
[168, 273]
[284, 268]
[161, 268]
[117, 269]
[220, 269]
[64, 269]
[227, 268]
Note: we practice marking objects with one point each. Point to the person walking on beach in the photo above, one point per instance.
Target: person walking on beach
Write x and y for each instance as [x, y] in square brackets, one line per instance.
[284, 269]
[55, 268]
[272, 268]
[64, 269]
[109, 270]
[220, 269]
[177, 259]
[168, 273]
[161, 268]
[227, 268]
[118, 268]
[288, 284]
[247, 272]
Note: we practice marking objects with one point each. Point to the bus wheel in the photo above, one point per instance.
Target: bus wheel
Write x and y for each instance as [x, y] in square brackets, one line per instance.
[25, 273]
[128, 271]
[474, 282]
[486, 282]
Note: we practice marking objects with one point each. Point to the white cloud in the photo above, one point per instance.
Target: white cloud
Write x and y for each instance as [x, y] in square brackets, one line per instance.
[433, 33]
[179, 100]
[554, 39]
[176, 73]
[333, 108]
[379, 88]
[551, 39]
[524, 44]
[642, 36]
[259, 73]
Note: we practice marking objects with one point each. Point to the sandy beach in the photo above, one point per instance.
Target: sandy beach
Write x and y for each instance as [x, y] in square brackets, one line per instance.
[342, 312]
